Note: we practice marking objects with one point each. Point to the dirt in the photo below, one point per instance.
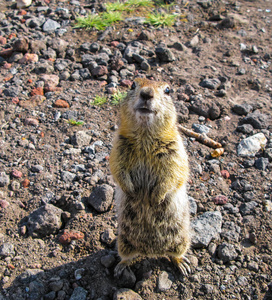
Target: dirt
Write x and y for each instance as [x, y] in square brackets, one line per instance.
[217, 54]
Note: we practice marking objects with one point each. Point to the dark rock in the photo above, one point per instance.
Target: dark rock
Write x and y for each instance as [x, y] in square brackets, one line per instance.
[242, 109]
[99, 71]
[228, 22]
[59, 45]
[130, 51]
[21, 45]
[146, 36]
[199, 128]
[44, 221]
[84, 73]
[245, 128]
[50, 296]
[12, 91]
[261, 163]
[79, 293]
[231, 232]
[247, 208]
[206, 227]
[164, 54]
[211, 83]
[127, 279]
[108, 237]
[94, 47]
[204, 107]
[145, 66]
[101, 198]
[257, 120]
[107, 260]
[227, 252]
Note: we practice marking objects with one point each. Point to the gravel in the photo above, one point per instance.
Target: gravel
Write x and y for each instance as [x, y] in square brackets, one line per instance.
[57, 210]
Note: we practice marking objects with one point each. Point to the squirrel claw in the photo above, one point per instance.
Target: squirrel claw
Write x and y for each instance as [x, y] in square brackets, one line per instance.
[183, 265]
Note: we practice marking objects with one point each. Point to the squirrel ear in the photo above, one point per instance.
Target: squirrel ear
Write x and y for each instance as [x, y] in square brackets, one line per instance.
[133, 86]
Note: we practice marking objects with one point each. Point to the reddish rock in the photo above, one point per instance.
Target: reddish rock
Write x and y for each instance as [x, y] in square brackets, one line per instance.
[25, 183]
[114, 43]
[4, 204]
[183, 97]
[117, 64]
[220, 199]
[16, 174]
[6, 52]
[11, 266]
[3, 40]
[50, 82]
[22, 12]
[29, 58]
[126, 83]
[31, 121]
[61, 104]
[8, 78]
[67, 237]
[15, 100]
[225, 174]
[21, 45]
[99, 71]
[12, 35]
[7, 66]
[37, 91]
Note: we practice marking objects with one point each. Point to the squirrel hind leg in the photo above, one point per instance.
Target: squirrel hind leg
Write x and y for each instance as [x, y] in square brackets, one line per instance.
[127, 253]
[183, 264]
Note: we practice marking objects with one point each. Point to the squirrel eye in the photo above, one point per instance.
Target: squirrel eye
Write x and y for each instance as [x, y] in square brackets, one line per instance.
[133, 86]
[167, 90]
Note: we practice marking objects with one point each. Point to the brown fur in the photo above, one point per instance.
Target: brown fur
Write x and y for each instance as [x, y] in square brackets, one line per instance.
[150, 166]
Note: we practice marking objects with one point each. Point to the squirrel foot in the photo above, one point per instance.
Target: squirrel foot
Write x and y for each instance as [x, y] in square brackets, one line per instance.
[183, 264]
[119, 269]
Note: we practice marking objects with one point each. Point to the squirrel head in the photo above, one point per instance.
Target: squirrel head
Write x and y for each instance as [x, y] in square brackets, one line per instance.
[148, 104]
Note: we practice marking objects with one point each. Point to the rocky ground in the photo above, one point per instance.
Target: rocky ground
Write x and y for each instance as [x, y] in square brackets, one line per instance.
[57, 213]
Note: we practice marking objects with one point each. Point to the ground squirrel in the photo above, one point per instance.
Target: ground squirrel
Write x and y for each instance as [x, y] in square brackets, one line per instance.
[149, 163]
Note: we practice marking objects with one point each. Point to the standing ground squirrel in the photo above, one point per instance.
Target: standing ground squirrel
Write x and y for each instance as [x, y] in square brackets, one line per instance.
[149, 163]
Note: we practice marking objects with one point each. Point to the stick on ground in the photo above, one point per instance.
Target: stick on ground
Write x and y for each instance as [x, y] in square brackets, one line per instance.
[200, 137]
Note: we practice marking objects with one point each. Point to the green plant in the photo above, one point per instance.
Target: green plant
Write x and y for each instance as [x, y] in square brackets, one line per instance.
[99, 100]
[111, 17]
[91, 21]
[117, 97]
[138, 3]
[75, 123]
[161, 19]
[99, 22]
[116, 6]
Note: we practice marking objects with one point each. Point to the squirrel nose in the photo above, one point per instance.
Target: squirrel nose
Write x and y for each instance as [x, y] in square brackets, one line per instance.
[147, 93]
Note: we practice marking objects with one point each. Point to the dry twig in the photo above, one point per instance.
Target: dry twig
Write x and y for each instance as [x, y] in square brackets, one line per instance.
[200, 137]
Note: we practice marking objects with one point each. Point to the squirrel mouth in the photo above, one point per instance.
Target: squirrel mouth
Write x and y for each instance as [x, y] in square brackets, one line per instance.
[144, 110]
